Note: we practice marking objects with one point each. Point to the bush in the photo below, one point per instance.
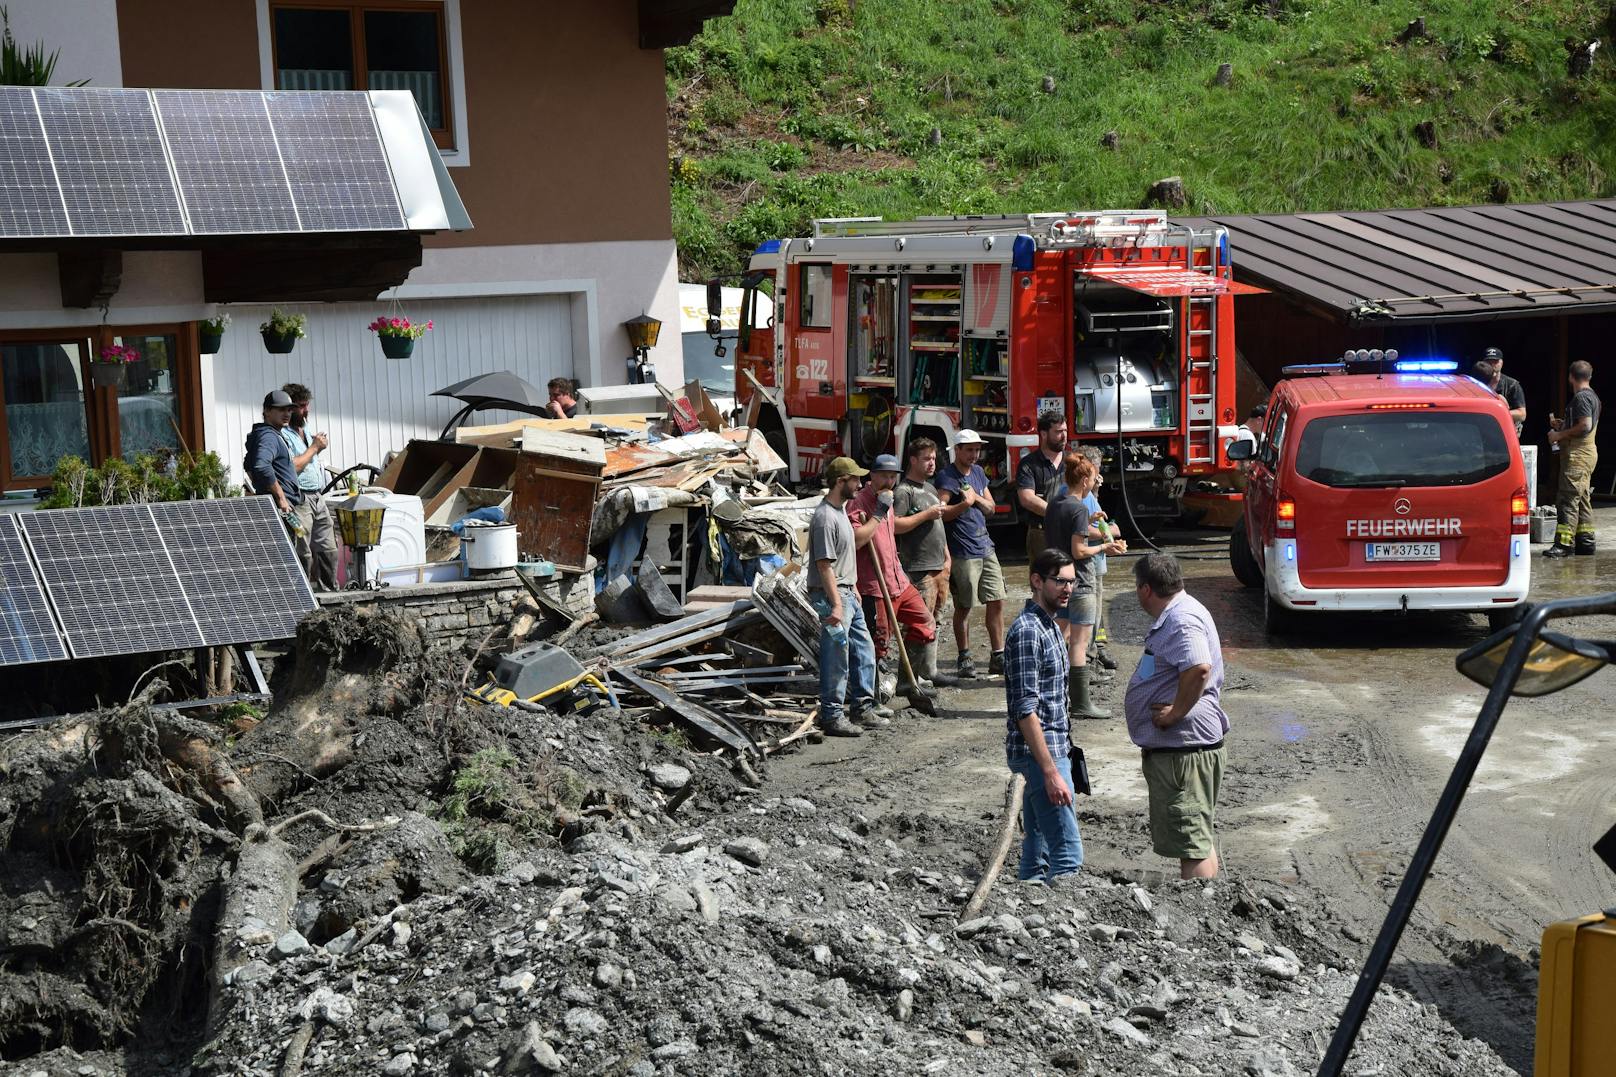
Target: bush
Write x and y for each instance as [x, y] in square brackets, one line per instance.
[168, 476]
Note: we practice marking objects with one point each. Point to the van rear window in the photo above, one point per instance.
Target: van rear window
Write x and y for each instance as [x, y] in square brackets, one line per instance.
[1425, 448]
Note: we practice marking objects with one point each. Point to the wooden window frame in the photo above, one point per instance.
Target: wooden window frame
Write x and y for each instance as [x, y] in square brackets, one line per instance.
[101, 404]
[356, 9]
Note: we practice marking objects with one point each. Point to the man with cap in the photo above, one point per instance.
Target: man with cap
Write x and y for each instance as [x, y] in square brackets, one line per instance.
[1490, 372]
[268, 462]
[976, 579]
[845, 651]
[870, 513]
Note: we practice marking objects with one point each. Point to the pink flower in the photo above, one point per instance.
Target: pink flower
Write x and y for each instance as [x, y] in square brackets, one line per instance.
[399, 323]
[429, 323]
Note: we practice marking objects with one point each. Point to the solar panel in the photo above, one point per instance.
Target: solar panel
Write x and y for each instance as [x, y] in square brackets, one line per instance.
[33, 203]
[110, 578]
[237, 567]
[227, 161]
[110, 162]
[27, 629]
[335, 162]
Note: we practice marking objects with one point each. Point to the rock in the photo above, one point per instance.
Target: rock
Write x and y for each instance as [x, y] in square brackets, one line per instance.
[291, 944]
[328, 1006]
[585, 1022]
[976, 1036]
[676, 898]
[1148, 1014]
[705, 901]
[1240, 1028]
[251, 972]
[608, 976]
[1141, 899]
[669, 777]
[521, 981]
[676, 1049]
[1104, 932]
[821, 954]
[1225, 75]
[1168, 192]
[343, 943]
[1123, 1030]
[968, 928]
[1110, 140]
[1048, 85]
[524, 872]
[399, 1064]
[1269, 1062]
[748, 850]
[401, 934]
[1008, 925]
[531, 1050]
[1252, 943]
[906, 1004]
[1278, 968]
[799, 805]
[465, 1002]
[1071, 1005]
[437, 1022]
[681, 844]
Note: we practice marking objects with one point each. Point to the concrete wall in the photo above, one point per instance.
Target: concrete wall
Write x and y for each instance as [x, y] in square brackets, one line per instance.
[86, 32]
[158, 286]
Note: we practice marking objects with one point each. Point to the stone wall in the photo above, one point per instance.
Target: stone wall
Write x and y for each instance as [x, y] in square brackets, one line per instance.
[453, 614]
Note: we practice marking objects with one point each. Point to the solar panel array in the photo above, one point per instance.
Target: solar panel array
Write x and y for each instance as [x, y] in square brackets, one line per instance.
[78, 161]
[128, 579]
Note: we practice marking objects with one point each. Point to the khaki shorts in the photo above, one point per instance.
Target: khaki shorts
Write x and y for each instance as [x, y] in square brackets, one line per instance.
[1183, 801]
[976, 580]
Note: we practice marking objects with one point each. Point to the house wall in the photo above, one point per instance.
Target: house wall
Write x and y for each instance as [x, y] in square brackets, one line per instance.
[158, 286]
[565, 173]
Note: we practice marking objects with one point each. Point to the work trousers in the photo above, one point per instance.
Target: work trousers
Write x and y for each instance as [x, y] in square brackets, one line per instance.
[846, 659]
[916, 619]
[933, 588]
[317, 546]
[1575, 503]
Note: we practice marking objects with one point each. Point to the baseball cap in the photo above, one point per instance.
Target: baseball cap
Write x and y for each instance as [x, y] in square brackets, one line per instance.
[277, 399]
[886, 462]
[841, 468]
[967, 437]
[1492, 353]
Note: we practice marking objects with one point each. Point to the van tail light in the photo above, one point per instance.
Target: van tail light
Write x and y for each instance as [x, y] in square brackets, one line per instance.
[1520, 519]
[1285, 515]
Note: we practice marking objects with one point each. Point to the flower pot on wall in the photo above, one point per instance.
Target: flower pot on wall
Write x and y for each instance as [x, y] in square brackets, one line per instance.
[397, 347]
[278, 343]
[209, 343]
[108, 375]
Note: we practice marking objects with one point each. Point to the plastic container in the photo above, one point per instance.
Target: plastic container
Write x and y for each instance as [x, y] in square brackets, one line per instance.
[489, 549]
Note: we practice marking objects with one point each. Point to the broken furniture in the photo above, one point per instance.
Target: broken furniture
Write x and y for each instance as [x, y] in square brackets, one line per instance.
[558, 478]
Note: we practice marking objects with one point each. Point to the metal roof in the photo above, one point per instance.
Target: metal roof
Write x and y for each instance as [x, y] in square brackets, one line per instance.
[1472, 263]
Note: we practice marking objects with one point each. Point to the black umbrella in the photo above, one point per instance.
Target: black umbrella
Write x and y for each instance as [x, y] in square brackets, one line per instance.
[498, 390]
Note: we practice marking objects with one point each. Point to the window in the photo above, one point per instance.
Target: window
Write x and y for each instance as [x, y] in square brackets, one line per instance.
[367, 44]
[814, 302]
[45, 415]
[1403, 449]
[148, 406]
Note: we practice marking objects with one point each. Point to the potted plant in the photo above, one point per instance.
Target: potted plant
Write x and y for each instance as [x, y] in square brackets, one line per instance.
[398, 335]
[210, 332]
[109, 371]
[282, 331]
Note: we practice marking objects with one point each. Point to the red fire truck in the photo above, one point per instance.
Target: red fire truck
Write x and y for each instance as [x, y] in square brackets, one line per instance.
[879, 331]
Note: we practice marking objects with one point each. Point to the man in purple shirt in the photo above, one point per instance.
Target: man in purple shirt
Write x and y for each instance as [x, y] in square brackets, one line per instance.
[1176, 719]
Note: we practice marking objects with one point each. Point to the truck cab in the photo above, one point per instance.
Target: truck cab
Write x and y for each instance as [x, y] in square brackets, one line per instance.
[1381, 484]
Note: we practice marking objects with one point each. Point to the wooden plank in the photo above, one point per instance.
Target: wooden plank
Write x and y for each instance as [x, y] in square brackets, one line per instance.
[679, 627]
[782, 599]
[745, 620]
[709, 722]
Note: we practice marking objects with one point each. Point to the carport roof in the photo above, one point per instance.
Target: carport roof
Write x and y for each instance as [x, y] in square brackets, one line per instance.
[1470, 263]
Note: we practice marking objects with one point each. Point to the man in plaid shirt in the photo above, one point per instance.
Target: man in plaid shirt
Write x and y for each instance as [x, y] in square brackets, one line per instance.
[1038, 744]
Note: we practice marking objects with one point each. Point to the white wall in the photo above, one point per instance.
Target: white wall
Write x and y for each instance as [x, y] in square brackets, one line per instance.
[85, 31]
[369, 404]
[158, 286]
[608, 284]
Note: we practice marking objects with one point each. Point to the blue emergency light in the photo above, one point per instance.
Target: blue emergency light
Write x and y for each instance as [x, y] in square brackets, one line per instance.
[1425, 366]
[768, 246]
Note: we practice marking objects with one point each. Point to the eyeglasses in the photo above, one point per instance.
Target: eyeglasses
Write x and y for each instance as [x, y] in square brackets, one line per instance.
[1064, 583]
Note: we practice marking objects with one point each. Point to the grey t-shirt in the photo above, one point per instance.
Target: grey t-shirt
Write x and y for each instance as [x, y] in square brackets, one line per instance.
[1068, 517]
[830, 538]
[925, 548]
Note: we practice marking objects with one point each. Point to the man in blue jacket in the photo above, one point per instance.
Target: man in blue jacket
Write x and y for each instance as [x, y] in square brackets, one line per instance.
[268, 463]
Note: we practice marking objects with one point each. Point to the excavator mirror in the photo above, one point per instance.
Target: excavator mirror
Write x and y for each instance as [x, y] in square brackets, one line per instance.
[1556, 661]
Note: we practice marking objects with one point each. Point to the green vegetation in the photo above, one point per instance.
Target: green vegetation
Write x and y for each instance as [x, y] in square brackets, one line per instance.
[795, 109]
[148, 477]
[497, 805]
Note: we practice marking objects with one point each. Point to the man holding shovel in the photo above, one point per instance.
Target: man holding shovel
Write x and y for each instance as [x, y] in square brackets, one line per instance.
[881, 578]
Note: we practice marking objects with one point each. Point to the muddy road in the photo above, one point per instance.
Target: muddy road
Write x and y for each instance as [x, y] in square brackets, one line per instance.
[1342, 738]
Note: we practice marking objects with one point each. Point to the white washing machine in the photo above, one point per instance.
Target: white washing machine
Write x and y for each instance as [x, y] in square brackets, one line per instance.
[403, 542]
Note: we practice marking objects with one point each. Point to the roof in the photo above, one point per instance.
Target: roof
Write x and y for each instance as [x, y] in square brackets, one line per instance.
[1357, 388]
[1470, 263]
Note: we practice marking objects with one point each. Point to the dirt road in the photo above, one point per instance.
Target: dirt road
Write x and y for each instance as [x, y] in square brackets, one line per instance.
[1342, 739]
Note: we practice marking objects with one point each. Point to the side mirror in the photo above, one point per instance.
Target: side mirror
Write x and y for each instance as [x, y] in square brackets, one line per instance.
[1555, 661]
[714, 327]
[1242, 450]
[715, 303]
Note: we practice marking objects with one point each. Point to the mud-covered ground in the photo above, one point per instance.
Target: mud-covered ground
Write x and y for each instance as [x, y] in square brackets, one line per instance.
[588, 895]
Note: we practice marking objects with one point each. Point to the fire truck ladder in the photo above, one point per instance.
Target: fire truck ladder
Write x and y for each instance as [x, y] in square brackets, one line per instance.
[1200, 354]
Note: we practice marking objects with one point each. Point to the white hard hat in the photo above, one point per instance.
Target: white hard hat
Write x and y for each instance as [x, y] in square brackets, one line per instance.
[967, 437]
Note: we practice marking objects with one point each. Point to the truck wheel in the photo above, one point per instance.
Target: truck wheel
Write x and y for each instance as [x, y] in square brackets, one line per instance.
[1498, 620]
[1277, 620]
[776, 440]
[1241, 559]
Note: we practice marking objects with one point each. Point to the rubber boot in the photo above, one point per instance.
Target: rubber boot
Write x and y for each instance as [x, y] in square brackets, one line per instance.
[1103, 656]
[1557, 550]
[917, 665]
[927, 669]
[1585, 545]
[1080, 706]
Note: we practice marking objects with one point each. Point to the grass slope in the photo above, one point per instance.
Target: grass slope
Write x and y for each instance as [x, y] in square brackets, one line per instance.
[794, 109]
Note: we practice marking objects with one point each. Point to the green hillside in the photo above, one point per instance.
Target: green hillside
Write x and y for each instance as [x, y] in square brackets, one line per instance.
[794, 109]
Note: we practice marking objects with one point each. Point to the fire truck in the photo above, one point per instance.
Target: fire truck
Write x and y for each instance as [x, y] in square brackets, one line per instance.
[875, 332]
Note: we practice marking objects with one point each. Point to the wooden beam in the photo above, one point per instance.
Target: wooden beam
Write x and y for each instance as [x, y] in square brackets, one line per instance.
[665, 23]
[89, 277]
[309, 272]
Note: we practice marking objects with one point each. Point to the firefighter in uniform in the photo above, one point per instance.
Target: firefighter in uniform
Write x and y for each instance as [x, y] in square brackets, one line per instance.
[1573, 439]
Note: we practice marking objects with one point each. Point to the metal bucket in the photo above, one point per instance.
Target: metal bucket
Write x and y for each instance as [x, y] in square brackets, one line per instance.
[489, 549]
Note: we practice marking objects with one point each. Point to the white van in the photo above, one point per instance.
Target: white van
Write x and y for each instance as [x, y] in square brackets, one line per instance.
[702, 363]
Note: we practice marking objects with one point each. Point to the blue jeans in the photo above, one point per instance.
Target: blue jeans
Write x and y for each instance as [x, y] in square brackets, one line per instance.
[1052, 846]
[835, 666]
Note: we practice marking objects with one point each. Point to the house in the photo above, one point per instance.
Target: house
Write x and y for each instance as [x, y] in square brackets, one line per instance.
[549, 122]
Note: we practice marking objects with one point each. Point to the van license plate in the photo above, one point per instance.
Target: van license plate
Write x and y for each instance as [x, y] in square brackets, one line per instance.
[1404, 551]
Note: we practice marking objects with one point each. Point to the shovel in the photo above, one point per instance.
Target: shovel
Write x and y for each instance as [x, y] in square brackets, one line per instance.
[910, 687]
